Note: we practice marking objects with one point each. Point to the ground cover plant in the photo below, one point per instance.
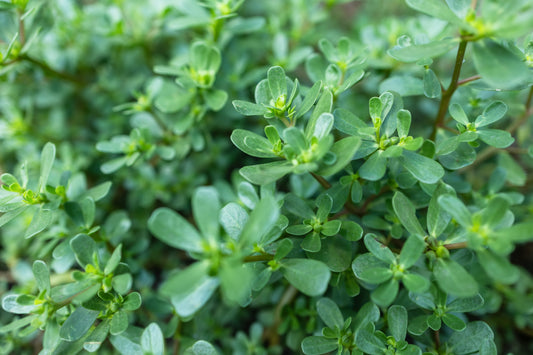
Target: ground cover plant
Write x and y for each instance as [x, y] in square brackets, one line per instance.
[266, 177]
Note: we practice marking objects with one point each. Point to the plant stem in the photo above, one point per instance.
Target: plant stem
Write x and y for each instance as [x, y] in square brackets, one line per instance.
[452, 246]
[323, 182]
[46, 68]
[287, 297]
[447, 95]
[468, 80]
[254, 258]
[436, 337]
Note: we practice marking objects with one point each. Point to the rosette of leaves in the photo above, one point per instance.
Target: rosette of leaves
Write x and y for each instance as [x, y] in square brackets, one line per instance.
[68, 325]
[221, 256]
[342, 67]
[46, 202]
[470, 132]
[491, 233]
[339, 335]
[140, 144]
[386, 269]
[316, 226]
[443, 309]
[379, 145]
[449, 274]
[309, 150]
[278, 98]
[377, 342]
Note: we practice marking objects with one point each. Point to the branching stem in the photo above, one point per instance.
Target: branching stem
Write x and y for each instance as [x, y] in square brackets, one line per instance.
[447, 95]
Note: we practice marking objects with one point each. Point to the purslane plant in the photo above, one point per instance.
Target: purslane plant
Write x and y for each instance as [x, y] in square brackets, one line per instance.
[382, 204]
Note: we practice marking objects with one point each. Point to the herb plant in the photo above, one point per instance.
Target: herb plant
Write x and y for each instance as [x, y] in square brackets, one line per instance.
[266, 177]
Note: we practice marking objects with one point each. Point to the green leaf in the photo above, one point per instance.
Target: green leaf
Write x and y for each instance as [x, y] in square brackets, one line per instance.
[492, 113]
[437, 218]
[458, 114]
[201, 347]
[233, 219]
[119, 323]
[397, 321]
[418, 325]
[152, 341]
[347, 122]
[236, 281]
[464, 305]
[454, 279]
[335, 252]
[174, 230]
[309, 100]
[457, 209]
[403, 123]
[498, 66]
[132, 302]
[190, 289]
[404, 85]
[386, 293]
[215, 99]
[518, 233]
[415, 283]
[17, 324]
[344, 149]
[277, 82]
[422, 168]
[283, 249]
[311, 277]
[498, 267]
[374, 167]
[78, 324]
[205, 208]
[125, 343]
[415, 52]
[317, 345]
[84, 248]
[42, 275]
[324, 105]
[406, 213]
[471, 339]
[435, 8]
[262, 219]
[252, 144]
[41, 219]
[412, 250]
[496, 138]
[249, 109]
[94, 341]
[114, 260]
[434, 322]
[380, 251]
[432, 87]
[312, 243]
[47, 160]
[172, 98]
[263, 174]
[330, 313]
[122, 283]
[454, 322]
[12, 214]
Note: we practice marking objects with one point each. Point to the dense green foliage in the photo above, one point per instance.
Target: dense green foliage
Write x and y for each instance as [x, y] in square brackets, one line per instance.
[266, 177]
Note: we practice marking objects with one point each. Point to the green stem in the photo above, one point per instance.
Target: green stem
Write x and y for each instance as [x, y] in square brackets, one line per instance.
[46, 68]
[255, 258]
[447, 95]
